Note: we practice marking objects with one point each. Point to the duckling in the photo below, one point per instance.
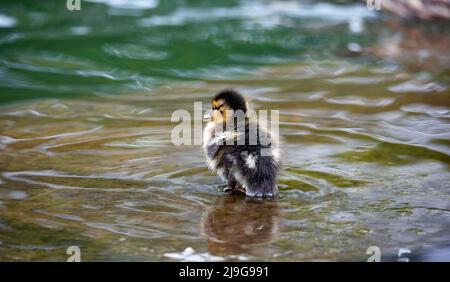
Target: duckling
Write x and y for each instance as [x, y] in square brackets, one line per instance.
[247, 166]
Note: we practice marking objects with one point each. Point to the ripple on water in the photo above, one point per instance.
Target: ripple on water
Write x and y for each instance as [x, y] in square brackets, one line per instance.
[129, 230]
[129, 4]
[416, 86]
[433, 111]
[134, 52]
[381, 102]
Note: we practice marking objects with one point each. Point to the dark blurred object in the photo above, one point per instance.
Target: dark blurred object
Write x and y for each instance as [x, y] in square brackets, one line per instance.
[423, 9]
[417, 46]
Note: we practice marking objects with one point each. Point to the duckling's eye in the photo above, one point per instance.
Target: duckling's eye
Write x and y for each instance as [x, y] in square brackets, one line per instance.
[219, 108]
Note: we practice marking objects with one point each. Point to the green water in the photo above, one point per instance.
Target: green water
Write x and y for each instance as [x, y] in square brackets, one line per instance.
[86, 157]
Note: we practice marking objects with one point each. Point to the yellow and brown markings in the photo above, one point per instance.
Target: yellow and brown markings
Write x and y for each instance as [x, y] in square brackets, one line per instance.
[217, 104]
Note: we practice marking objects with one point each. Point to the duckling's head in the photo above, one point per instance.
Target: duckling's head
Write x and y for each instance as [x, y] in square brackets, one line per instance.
[225, 103]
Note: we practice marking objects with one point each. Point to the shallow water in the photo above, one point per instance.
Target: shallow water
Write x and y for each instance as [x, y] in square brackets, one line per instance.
[90, 163]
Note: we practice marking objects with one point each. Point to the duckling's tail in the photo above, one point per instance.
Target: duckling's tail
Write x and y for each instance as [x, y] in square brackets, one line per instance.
[262, 181]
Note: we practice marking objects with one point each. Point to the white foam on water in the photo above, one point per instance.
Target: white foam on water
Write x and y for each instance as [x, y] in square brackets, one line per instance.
[17, 195]
[189, 254]
[80, 30]
[129, 4]
[7, 21]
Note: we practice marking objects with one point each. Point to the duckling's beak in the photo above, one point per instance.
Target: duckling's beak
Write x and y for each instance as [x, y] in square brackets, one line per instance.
[208, 116]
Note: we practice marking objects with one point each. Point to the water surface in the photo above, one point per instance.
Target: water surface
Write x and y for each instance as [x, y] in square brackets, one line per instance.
[86, 157]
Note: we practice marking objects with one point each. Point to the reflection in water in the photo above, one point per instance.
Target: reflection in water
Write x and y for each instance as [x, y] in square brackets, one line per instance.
[440, 254]
[237, 225]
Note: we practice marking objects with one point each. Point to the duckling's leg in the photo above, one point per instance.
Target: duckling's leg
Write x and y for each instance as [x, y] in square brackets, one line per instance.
[231, 185]
[240, 189]
[234, 186]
